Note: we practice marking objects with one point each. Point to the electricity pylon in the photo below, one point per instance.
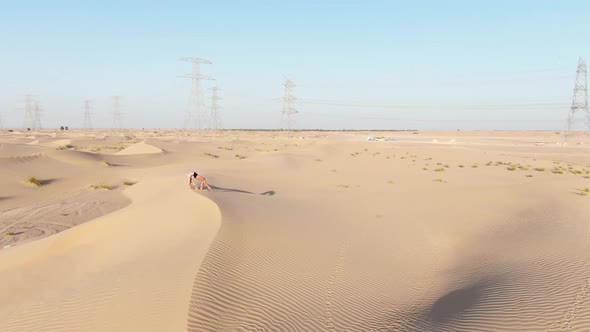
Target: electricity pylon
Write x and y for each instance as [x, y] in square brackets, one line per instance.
[117, 115]
[87, 115]
[580, 98]
[289, 109]
[215, 121]
[195, 115]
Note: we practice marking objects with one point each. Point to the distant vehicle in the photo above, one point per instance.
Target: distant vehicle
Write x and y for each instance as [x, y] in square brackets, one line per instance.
[381, 138]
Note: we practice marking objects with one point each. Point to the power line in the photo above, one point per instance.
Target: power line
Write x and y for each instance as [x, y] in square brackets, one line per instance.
[475, 106]
[195, 115]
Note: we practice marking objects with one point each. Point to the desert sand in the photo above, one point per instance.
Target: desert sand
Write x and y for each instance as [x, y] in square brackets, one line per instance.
[304, 231]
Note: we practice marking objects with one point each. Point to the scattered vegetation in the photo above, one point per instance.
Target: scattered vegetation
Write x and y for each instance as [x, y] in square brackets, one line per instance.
[318, 160]
[474, 166]
[556, 171]
[107, 163]
[529, 175]
[129, 183]
[211, 155]
[439, 180]
[511, 168]
[239, 156]
[34, 181]
[63, 147]
[343, 186]
[439, 169]
[102, 186]
[225, 148]
[461, 166]
[539, 169]
[390, 182]
[447, 166]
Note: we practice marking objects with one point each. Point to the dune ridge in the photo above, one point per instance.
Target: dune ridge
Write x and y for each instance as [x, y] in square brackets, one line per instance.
[140, 148]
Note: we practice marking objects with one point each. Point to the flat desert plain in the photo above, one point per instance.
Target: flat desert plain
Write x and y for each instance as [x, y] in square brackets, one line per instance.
[303, 231]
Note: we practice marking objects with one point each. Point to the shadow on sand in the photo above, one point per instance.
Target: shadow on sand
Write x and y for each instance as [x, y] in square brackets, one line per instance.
[48, 181]
[233, 190]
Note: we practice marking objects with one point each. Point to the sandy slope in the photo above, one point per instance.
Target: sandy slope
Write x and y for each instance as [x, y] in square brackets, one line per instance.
[437, 231]
[129, 270]
[140, 148]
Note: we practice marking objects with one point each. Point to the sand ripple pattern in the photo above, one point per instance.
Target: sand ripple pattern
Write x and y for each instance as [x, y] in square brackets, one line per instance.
[264, 275]
[45, 218]
[260, 276]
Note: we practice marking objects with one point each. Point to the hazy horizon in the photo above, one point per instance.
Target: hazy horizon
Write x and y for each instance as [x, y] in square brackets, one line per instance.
[504, 65]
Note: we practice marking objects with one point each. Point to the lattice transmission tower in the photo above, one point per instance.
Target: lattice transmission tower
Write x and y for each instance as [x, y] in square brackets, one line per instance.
[215, 120]
[580, 98]
[117, 115]
[32, 113]
[289, 110]
[196, 115]
[37, 114]
[87, 115]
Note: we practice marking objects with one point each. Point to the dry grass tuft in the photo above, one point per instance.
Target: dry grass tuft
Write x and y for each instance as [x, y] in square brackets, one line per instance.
[34, 181]
[102, 186]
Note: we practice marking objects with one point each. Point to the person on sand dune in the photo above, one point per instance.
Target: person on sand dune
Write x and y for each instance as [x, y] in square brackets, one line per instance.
[195, 179]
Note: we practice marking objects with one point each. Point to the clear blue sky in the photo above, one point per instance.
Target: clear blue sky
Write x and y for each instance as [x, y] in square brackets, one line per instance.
[454, 64]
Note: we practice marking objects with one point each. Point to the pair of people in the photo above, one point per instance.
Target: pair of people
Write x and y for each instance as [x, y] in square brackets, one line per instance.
[195, 180]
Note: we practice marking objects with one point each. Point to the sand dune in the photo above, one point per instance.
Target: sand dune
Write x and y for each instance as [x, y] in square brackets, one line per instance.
[140, 148]
[16, 150]
[323, 232]
[143, 257]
